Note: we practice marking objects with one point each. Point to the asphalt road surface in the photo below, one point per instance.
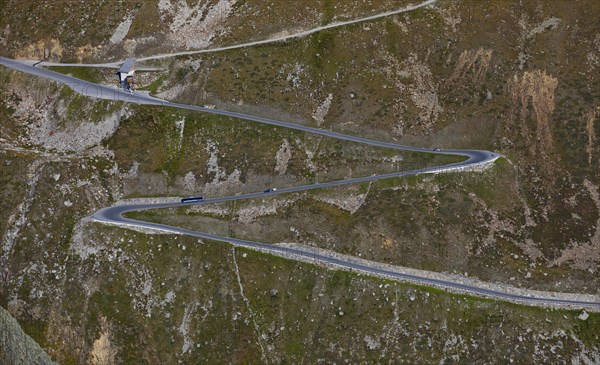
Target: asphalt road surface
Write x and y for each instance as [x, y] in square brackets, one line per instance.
[473, 159]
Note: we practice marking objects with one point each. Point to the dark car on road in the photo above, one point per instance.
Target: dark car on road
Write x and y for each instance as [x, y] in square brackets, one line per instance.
[270, 190]
[192, 200]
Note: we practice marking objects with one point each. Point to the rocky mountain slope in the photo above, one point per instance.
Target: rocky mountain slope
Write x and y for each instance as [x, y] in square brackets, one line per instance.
[517, 78]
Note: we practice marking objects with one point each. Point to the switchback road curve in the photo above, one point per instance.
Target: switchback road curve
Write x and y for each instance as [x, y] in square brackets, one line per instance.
[474, 159]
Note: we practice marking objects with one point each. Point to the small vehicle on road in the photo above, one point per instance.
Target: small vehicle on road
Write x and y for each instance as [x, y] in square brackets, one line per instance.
[436, 149]
[192, 200]
[270, 190]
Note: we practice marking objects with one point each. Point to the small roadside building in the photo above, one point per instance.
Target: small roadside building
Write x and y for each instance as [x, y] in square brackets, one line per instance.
[125, 74]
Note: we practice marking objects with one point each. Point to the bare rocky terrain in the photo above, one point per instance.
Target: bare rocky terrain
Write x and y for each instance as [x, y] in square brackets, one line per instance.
[517, 78]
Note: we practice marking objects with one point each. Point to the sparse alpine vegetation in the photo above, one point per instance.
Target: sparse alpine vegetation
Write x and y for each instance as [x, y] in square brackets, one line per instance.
[521, 79]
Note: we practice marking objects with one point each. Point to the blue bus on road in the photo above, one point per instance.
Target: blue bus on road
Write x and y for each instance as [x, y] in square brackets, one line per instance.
[192, 200]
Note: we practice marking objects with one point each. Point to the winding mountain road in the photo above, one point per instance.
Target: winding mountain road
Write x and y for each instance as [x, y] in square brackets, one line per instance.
[474, 159]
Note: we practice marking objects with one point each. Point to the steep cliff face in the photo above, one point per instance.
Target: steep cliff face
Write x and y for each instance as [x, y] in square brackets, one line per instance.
[16, 347]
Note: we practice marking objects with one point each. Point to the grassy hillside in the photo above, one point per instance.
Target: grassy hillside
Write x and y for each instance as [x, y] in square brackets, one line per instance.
[517, 78]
